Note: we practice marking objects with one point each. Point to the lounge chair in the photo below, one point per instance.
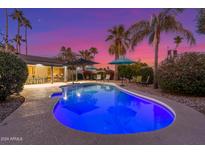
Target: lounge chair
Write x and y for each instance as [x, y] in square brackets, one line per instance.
[146, 82]
[98, 77]
[107, 77]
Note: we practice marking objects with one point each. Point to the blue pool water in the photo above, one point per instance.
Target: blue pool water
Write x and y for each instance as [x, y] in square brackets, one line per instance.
[105, 109]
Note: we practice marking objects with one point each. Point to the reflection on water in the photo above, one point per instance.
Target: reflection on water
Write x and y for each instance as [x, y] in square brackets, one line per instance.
[105, 109]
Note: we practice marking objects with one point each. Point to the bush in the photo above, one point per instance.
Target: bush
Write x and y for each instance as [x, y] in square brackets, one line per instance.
[130, 71]
[184, 74]
[13, 74]
[145, 72]
[126, 71]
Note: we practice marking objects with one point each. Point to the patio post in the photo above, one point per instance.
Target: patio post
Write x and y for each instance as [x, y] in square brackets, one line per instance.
[52, 74]
[65, 74]
[76, 74]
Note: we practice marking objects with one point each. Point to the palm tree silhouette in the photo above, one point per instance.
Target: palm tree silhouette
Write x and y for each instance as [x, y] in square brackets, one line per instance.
[88, 54]
[93, 51]
[177, 40]
[66, 54]
[26, 23]
[159, 23]
[7, 30]
[118, 37]
[18, 16]
[201, 21]
[18, 39]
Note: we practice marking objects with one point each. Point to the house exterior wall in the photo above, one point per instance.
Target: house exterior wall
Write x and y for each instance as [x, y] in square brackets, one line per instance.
[42, 74]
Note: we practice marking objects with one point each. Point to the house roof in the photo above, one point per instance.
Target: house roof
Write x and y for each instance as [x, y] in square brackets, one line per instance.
[53, 61]
[41, 60]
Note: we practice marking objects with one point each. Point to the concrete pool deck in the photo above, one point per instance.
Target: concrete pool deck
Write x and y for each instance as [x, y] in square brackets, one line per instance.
[33, 123]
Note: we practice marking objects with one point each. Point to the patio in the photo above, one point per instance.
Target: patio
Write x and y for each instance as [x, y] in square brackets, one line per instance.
[34, 123]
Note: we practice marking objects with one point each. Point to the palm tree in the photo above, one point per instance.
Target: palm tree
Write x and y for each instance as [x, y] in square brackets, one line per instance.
[118, 38]
[201, 21]
[66, 54]
[18, 15]
[88, 54]
[177, 40]
[18, 39]
[26, 23]
[7, 30]
[94, 51]
[160, 23]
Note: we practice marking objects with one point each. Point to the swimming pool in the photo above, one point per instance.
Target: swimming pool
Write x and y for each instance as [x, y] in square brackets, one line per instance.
[107, 109]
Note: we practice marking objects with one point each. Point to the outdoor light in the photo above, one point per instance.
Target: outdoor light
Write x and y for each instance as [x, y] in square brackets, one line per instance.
[65, 97]
[40, 65]
[78, 94]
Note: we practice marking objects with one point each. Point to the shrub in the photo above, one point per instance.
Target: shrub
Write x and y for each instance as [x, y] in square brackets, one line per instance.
[145, 72]
[13, 74]
[130, 71]
[184, 74]
[126, 71]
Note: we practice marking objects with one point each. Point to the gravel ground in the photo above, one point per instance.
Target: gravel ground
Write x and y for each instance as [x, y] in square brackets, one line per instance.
[9, 106]
[198, 103]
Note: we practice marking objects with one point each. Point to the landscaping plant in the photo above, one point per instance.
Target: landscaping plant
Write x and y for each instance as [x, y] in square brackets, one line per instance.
[13, 74]
[184, 74]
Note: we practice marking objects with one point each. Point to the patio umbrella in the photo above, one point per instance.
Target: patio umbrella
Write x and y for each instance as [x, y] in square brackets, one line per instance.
[122, 61]
[80, 62]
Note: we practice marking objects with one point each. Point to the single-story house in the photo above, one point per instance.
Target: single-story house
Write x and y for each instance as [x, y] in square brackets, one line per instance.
[45, 70]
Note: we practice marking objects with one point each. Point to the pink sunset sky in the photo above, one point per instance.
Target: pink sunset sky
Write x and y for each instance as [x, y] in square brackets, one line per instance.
[85, 28]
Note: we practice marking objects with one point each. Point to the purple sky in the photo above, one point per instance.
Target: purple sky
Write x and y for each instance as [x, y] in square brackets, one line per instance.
[83, 28]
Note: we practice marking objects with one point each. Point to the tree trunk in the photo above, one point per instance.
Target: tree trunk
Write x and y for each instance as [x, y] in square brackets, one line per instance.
[18, 41]
[156, 65]
[7, 27]
[116, 68]
[26, 40]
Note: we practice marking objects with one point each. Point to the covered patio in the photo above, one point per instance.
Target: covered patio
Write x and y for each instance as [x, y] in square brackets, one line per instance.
[45, 70]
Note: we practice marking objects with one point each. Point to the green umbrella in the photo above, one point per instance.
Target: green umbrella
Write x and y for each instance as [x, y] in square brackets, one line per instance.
[122, 61]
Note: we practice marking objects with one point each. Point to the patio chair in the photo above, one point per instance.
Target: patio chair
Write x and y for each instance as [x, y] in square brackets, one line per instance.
[146, 82]
[98, 77]
[107, 77]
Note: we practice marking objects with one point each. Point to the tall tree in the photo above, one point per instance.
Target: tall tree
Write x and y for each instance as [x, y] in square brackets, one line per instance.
[93, 51]
[66, 54]
[86, 54]
[201, 21]
[18, 39]
[7, 29]
[18, 16]
[26, 23]
[159, 23]
[119, 43]
[177, 40]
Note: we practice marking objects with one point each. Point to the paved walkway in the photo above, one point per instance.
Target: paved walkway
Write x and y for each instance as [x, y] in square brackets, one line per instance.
[33, 123]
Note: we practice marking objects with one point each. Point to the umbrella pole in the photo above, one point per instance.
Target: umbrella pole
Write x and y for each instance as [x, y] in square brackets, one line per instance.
[72, 76]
